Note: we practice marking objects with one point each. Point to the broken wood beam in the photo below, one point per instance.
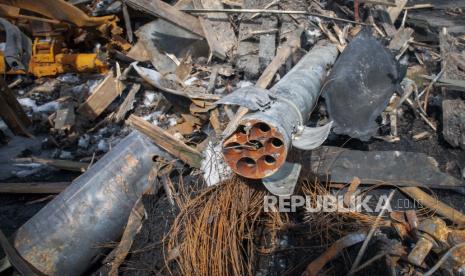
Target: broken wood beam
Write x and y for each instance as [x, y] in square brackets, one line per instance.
[434, 204]
[167, 141]
[394, 11]
[453, 121]
[12, 112]
[33, 187]
[103, 95]
[379, 2]
[128, 102]
[400, 39]
[127, 22]
[57, 163]
[65, 117]
[163, 10]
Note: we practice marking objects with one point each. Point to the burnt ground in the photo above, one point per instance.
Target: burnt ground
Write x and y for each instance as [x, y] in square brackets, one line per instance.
[147, 253]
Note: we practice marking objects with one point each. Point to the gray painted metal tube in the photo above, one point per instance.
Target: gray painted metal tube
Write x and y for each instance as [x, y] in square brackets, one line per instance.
[64, 237]
[290, 103]
[301, 87]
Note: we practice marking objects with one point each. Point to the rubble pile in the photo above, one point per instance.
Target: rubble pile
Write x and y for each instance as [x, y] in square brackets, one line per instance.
[232, 137]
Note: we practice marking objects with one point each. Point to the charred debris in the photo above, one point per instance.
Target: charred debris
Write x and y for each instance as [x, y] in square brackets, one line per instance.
[232, 137]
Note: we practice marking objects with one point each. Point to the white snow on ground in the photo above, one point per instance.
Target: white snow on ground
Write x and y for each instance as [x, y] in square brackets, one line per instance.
[47, 107]
[213, 167]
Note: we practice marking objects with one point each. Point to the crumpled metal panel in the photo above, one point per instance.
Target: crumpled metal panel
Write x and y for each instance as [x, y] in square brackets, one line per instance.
[360, 85]
[283, 181]
[253, 98]
[312, 137]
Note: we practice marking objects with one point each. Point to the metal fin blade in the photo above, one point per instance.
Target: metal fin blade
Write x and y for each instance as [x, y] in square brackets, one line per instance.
[283, 182]
[312, 137]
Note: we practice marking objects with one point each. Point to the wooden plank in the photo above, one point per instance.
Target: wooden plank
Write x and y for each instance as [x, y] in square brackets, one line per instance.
[217, 29]
[167, 141]
[105, 93]
[394, 12]
[163, 10]
[215, 121]
[453, 122]
[449, 51]
[127, 104]
[434, 204]
[65, 117]
[379, 2]
[127, 23]
[182, 4]
[12, 112]
[400, 39]
[33, 187]
[57, 163]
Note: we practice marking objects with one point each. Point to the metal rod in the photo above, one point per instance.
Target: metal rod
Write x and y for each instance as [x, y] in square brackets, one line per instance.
[359, 257]
[273, 12]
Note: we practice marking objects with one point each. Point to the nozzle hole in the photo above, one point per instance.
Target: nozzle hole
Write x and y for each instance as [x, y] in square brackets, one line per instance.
[263, 127]
[269, 160]
[277, 143]
[241, 129]
[246, 162]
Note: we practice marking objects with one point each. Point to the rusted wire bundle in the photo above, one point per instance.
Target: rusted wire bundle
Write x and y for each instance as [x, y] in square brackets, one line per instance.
[338, 224]
[331, 225]
[215, 231]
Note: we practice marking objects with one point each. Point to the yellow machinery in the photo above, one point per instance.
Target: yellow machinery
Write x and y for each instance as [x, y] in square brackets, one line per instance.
[49, 58]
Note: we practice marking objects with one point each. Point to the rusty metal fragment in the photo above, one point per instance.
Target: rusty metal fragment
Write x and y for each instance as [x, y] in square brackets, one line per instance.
[335, 249]
[433, 234]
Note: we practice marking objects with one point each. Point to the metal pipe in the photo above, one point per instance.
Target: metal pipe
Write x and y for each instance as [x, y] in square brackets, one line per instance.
[265, 11]
[66, 236]
[259, 146]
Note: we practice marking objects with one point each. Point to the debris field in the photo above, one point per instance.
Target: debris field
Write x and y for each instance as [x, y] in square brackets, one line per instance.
[232, 137]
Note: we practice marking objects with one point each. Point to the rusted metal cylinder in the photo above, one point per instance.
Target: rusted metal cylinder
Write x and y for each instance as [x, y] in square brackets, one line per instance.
[259, 146]
[66, 236]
